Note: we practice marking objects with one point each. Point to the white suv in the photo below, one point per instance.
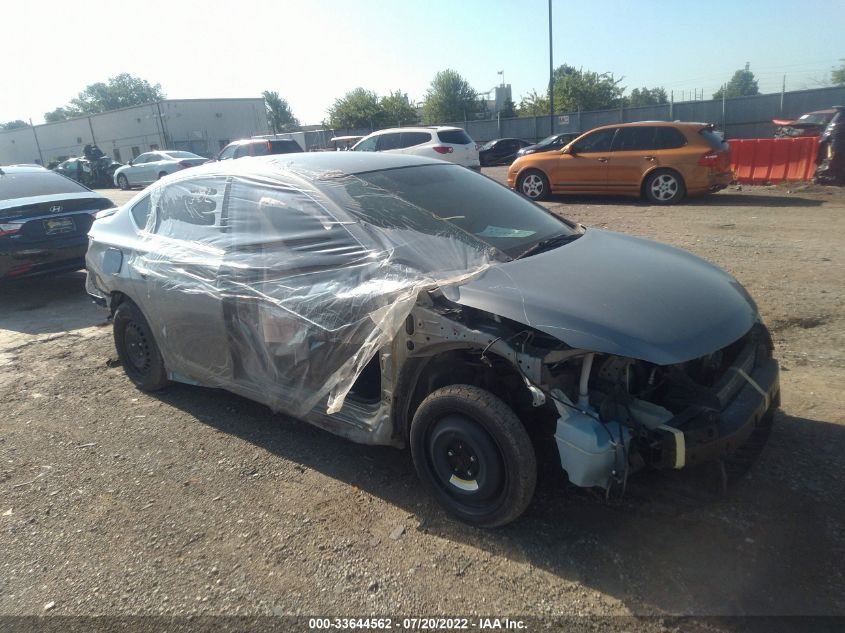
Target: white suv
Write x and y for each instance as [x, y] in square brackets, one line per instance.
[446, 143]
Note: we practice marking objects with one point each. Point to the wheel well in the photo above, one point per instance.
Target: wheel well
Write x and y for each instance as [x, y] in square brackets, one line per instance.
[648, 174]
[455, 367]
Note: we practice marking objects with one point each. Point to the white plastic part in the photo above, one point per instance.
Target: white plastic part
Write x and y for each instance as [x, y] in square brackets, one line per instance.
[584, 386]
[680, 445]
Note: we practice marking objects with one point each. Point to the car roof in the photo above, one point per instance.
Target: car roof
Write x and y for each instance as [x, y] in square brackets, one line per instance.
[418, 128]
[20, 169]
[312, 165]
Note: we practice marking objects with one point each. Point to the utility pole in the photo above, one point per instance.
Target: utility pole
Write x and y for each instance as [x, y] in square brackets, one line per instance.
[37, 144]
[551, 77]
[782, 91]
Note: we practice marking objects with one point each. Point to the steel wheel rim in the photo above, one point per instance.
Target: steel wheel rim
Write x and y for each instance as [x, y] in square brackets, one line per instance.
[532, 186]
[664, 187]
[137, 348]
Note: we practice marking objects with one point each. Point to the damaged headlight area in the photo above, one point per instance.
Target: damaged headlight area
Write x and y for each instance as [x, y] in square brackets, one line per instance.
[619, 415]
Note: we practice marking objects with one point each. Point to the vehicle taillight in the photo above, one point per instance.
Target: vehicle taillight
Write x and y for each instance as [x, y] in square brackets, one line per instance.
[440, 149]
[710, 159]
[184, 165]
[9, 229]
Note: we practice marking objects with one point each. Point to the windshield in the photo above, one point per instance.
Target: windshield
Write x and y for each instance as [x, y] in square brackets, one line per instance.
[451, 200]
[548, 140]
[488, 145]
[181, 155]
[24, 184]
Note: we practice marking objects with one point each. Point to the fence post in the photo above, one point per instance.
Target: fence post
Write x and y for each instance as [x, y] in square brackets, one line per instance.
[671, 104]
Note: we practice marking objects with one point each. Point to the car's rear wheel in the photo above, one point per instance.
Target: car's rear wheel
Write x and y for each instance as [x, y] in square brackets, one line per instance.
[472, 452]
[533, 184]
[137, 349]
[123, 182]
[664, 186]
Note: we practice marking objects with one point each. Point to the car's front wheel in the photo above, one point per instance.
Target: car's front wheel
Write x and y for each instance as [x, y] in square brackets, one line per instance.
[664, 186]
[137, 349]
[472, 452]
[123, 182]
[533, 184]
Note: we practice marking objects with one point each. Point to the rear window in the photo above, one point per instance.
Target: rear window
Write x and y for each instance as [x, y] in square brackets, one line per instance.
[715, 140]
[181, 155]
[36, 183]
[284, 147]
[455, 137]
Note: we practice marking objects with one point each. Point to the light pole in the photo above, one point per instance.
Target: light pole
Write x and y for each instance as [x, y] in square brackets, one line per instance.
[551, 77]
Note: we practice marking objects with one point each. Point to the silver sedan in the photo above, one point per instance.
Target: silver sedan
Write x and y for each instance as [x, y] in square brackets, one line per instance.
[149, 167]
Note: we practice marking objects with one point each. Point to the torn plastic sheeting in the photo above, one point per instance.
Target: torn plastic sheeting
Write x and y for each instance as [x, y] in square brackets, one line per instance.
[286, 287]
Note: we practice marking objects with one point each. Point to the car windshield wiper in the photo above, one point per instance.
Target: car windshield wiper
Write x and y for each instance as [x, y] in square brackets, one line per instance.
[549, 243]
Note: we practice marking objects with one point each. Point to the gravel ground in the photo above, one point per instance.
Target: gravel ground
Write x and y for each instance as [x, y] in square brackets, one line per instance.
[195, 501]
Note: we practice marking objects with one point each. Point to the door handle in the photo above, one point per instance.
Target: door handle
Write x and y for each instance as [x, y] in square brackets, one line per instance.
[649, 157]
[602, 160]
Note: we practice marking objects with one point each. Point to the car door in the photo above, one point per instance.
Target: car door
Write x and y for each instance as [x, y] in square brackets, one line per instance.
[138, 173]
[184, 256]
[634, 152]
[157, 164]
[286, 326]
[582, 165]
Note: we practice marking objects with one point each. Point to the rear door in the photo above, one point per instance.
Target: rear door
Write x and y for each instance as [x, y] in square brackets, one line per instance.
[584, 168]
[181, 264]
[635, 152]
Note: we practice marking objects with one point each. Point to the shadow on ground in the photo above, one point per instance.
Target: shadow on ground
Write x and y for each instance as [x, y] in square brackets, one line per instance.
[60, 301]
[672, 544]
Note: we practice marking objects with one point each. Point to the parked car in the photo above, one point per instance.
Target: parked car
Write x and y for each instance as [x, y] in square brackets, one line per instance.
[405, 301]
[810, 124]
[501, 151]
[343, 143]
[446, 143]
[149, 167]
[662, 162]
[91, 173]
[549, 144]
[257, 147]
[44, 221]
[830, 160]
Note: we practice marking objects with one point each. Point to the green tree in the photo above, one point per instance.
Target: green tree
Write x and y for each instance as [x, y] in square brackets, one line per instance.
[120, 91]
[398, 109]
[358, 108]
[59, 114]
[837, 75]
[508, 110]
[450, 98]
[742, 84]
[576, 88]
[13, 125]
[646, 97]
[279, 115]
[533, 104]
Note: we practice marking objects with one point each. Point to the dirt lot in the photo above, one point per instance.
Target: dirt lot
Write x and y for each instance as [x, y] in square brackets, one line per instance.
[197, 501]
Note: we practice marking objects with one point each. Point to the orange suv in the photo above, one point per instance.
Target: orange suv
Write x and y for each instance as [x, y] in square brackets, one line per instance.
[660, 161]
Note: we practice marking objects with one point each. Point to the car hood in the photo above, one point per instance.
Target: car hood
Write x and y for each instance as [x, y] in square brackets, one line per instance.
[528, 149]
[617, 294]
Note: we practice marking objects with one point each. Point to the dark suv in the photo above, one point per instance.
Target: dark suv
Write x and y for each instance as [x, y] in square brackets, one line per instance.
[258, 147]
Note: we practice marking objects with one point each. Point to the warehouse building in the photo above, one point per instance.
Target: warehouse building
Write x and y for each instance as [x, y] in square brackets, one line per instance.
[202, 126]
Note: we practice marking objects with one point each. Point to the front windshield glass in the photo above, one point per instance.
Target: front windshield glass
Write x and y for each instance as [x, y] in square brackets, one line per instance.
[182, 155]
[548, 140]
[450, 200]
[488, 145]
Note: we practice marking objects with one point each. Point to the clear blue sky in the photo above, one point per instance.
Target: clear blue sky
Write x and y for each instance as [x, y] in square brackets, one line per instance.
[314, 51]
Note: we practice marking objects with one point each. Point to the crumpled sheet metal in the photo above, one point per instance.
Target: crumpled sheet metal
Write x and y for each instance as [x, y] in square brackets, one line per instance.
[285, 284]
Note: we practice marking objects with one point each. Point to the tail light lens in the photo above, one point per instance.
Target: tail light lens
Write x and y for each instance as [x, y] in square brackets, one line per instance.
[441, 149]
[184, 165]
[9, 229]
[710, 159]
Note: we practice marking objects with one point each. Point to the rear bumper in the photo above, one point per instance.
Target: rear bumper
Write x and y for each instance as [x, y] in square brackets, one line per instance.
[19, 259]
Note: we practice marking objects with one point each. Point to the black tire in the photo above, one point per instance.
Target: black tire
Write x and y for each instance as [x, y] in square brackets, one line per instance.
[461, 429]
[123, 182]
[137, 349]
[664, 186]
[534, 185]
